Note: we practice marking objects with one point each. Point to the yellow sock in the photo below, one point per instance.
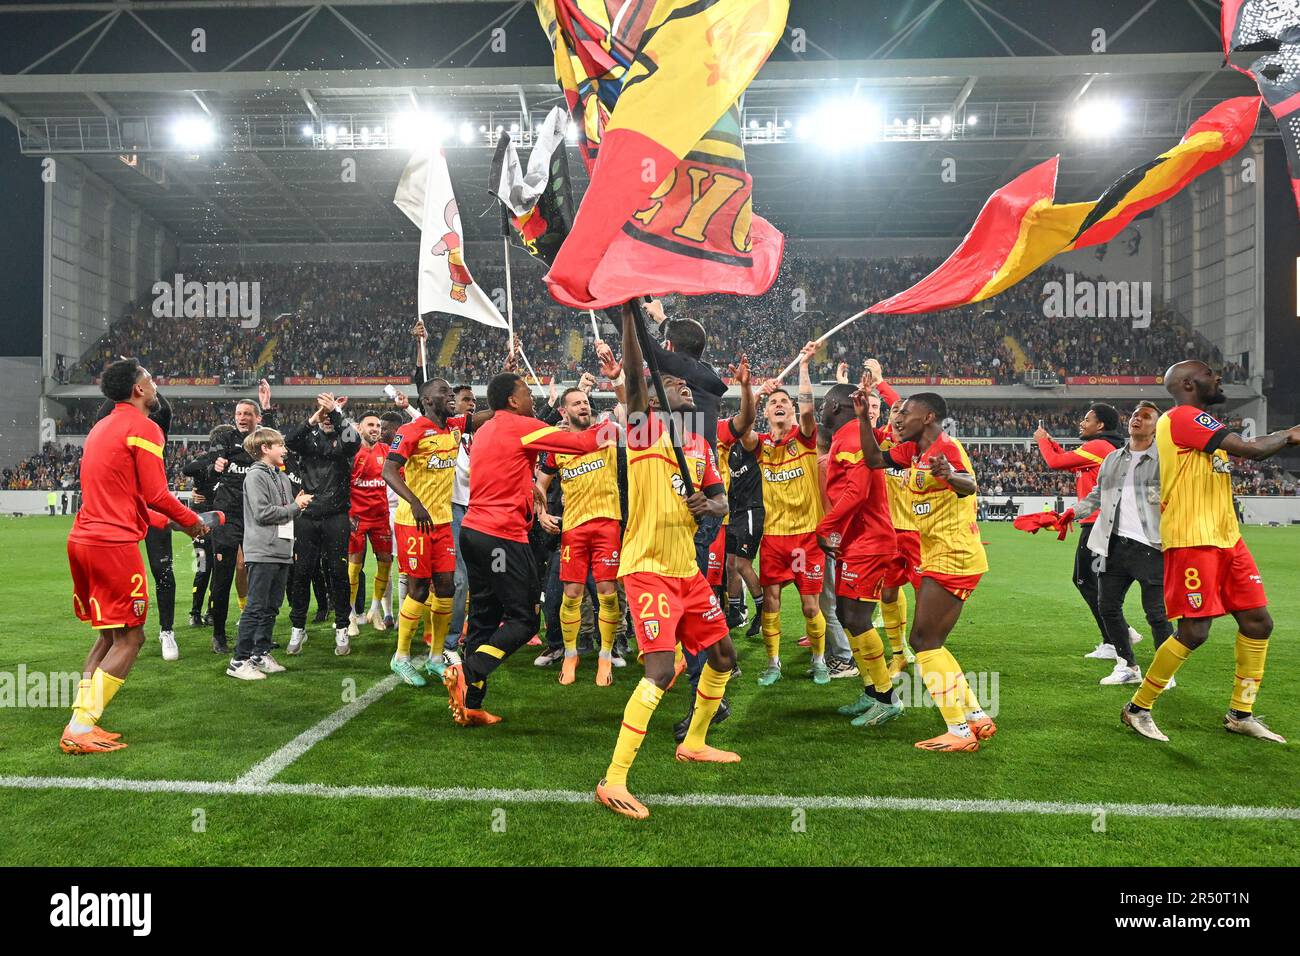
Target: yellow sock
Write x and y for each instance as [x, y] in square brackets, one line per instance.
[636, 718]
[971, 703]
[570, 622]
[947, 686]
[1169, 657]
[895, 615]
[771, 628]
[381, 582]
[408, 619]
[607, 618]
[93, 694]
[354, 582]
[708, 698]
[869, 652]
[243, 602]
[426, 615]
[816, 630]
[1250, 654]
[441, 609]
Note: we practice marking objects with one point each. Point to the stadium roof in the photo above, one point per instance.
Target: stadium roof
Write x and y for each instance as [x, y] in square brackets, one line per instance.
[855, 147]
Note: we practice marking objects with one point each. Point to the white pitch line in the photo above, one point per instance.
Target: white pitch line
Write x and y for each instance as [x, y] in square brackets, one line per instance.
[266, 770]
[739, 801]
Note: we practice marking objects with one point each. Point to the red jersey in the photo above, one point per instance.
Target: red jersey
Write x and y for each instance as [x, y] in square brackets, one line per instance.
[369, 490]
[502, 460]
[122, 479]
[1085, 461]
[858, 498]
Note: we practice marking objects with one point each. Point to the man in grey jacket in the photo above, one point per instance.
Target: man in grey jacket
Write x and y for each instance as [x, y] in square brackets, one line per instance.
[269, 510]
[1126, 537]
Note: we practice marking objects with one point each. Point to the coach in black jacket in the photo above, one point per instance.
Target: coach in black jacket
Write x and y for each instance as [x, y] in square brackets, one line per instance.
[325, 445]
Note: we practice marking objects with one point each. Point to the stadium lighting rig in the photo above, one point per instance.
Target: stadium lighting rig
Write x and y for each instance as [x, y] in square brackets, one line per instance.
[193, 132]
[1097, 118]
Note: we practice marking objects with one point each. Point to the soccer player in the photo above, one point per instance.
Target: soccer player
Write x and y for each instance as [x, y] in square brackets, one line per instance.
[856, 532]
[589, 539]
[789, 553]
[744, 533]
[668, 596]
[124, 492]
[420, 467]
[1209, 570]
[734, 432]
[502, 566]
[369, 521]
[1099, 430]
[943, 489]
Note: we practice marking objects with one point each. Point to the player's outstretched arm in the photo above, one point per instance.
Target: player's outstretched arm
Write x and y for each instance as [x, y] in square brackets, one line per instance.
[742, 423]
[1260, 448]
[807, 406]
[151, 478]
[638, 398]
[872, 456]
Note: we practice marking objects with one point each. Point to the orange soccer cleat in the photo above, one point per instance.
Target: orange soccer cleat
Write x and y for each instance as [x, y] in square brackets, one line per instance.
[106, 734]
[87, 743]
[479, 718]
[982, 727]
[950, 743]
[453, 678]
[604, 672]
[620, 800]
[706, 754]
[569, 668]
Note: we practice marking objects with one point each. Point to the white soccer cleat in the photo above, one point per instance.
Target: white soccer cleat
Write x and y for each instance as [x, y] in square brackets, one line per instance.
[1250, 726]
[353, 629]
[1123, 674]
[1102, 652]
[297, 638]
[268, 664]
[170, 651]
[1141, 722]
[1134, 636]
[341, 646]
[244, 670]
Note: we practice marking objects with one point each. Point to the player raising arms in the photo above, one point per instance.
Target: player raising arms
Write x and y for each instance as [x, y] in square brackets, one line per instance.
[123, 494]
[369, 518]
[669, 599]
[792, 503]
[1209, 571]
[943, 488]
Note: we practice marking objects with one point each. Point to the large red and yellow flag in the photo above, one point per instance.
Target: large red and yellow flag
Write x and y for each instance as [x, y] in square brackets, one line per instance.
[653, 88]
[1022, 226]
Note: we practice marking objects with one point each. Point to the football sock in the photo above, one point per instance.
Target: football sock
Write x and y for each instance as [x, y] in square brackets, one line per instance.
[708, 697]
[895, 615]
[441, 611]
[354, 582]
[971, 703]
[943, 679]
[401, 589]
[407, 621]
[607, 618]
[636, 717]
[426, 616]
[1170, 656]
[93, 695]
[735, 604]
[570, 622]
[243, 601]
[381, 584]
[869, 652]
[772, 634]
[816, 630]
[1250, 654]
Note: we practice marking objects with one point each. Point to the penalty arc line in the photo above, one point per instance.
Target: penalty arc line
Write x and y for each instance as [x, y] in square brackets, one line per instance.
[741, 801]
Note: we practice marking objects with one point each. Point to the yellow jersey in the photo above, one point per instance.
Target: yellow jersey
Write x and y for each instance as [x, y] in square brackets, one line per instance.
[589, 483]
[950, 537]
[1195, 481]
[792, 498]
[900, 502]
[428, 452]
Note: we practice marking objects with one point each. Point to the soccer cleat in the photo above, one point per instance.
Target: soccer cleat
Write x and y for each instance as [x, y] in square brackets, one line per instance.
[297, 638]
[839, 667]
[453, 678]
[434, 665]
[1141, 722]
[1250, 726]
[196, 620]
[548, 657]
[805, 641]
[706, 754]
[342, 647]
[620, 800]
[897, 664]
[755, 625]
[569, 668]
[1134, 636]
[1102, 652]
[859, 706]
[770, 676]
[389, 623]
[950, 743]
[107, 735]
[376, 618]
[170, 651]
[219, 645]
[244, 670]
[982, 727]
[353, 629]
[406, 671]
[618, 661]
[1122, 674]
[820, 673]
[87, 743]
[268, 664]
[604, 672]
[479, 718]
[877, 714]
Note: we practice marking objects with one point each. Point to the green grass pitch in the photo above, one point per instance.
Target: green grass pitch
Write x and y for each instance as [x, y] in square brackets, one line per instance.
[1059, 742]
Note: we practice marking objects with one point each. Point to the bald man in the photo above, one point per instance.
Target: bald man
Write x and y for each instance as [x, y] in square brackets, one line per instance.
[1209, 572]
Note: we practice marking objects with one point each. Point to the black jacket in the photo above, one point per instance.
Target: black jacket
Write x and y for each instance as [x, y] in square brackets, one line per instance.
[200, 469]
[325, 464]
[229, 484]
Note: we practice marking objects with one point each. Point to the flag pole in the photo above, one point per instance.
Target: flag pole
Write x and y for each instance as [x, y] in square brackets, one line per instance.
[595, 328]
[424, 359]
[822, 338]
[510, 303]
[648, 353]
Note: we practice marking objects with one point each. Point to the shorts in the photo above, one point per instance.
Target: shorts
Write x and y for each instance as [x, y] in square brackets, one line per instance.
[1211, 582]
[717, 558]
[379, 535]
[424, 554]
[792, 557]
[744, 533]
[959, 586]
[666, 611]
[864, 577]
[909, 569]
[109, 588]
[590, 547]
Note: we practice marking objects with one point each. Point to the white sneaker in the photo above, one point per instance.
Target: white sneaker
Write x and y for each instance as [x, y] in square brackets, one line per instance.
[268, 664]
[1134, 636]
[1102, 652]
[618, 661]
[548, 657]
[1251, 726]
[353, 630]
[341, 646]
[244, 670]
[170, 651]
[297, 638]
[1141, 722]
[1123, 674]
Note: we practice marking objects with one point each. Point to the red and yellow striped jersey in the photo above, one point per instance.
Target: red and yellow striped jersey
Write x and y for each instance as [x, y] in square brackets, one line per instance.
[1195, 481]
[950, 538]
[660, 533]
[792, 496]
[429, 452]
[589, 483]
[900, 502]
